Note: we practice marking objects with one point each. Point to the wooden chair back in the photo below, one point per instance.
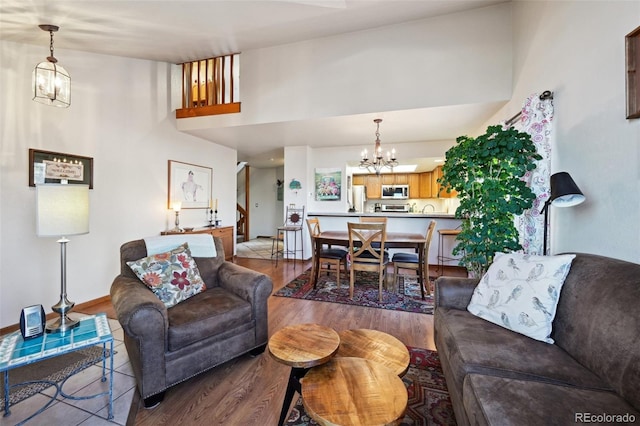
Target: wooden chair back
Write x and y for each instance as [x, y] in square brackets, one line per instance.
[366, 251]
[373, 219]
[366, 245]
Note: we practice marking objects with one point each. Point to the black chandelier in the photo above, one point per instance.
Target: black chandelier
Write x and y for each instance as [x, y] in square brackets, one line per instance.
[378, 161]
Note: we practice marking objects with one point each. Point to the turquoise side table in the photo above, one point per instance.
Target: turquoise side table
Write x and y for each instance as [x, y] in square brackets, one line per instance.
[17, 352]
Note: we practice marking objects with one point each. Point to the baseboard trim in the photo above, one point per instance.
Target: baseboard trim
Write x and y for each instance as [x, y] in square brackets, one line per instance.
[52, 315]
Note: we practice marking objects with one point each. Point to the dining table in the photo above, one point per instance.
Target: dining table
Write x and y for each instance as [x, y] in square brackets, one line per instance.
[412, 240]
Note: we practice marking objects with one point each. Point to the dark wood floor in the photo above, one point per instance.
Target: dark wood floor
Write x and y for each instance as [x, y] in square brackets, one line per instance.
[249, 391]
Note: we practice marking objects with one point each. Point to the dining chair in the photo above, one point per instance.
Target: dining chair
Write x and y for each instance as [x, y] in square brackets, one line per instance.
[326, 255]
[373, 219]
[366, 251]
[412, 261]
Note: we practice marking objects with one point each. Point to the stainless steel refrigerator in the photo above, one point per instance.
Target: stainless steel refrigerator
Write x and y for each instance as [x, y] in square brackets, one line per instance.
[358, 196]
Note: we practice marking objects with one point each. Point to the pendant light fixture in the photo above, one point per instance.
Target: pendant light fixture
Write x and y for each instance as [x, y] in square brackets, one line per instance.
[51, 82]
[378, 161]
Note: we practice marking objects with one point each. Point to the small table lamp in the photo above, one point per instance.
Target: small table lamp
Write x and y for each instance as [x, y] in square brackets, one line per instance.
[564, 193]
[177, 205]
[62, 210]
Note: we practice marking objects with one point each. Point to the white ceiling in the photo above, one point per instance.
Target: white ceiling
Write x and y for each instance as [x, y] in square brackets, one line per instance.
[179, 31]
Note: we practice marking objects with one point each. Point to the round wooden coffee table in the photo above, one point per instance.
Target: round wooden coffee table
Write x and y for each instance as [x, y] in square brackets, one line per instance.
[354, 391]
[301, 346]
[375, 346]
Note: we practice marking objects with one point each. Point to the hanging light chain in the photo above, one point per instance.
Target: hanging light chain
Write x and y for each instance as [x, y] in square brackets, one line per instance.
[51, 58]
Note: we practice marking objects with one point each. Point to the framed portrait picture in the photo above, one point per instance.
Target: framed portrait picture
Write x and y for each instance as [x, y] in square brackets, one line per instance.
[189, 185]
[58, 167]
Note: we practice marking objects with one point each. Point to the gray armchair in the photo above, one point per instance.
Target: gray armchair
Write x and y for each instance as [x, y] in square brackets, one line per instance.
[168, 346]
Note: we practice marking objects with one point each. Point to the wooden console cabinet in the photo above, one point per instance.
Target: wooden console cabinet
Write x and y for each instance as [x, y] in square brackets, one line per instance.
[224, 232]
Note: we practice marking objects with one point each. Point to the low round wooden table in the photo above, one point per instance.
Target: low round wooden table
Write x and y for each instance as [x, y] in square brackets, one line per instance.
[375, 346]
[354, 391]
[301, 346]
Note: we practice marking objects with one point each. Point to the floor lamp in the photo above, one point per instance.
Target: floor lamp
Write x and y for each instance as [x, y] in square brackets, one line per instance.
[62, 210]
[564, 193]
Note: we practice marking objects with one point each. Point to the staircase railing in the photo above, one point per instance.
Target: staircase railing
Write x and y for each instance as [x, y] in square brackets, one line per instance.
[210, 86]
[242, 214]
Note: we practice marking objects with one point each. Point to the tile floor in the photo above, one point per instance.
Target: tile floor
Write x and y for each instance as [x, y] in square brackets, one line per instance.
[65, 412]
[259, 248]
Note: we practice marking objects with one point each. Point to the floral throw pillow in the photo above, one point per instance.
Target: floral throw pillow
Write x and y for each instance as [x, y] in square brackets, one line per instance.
[521, 292]
[172, 276]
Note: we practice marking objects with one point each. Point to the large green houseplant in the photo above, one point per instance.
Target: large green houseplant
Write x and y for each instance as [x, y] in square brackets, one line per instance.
[487, 172]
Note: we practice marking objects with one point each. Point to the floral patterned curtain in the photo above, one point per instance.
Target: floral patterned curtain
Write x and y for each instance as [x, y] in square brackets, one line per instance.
[536, 120]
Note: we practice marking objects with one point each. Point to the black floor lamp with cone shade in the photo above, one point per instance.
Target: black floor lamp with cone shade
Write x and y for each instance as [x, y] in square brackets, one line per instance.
[564, 193]
[62, 210]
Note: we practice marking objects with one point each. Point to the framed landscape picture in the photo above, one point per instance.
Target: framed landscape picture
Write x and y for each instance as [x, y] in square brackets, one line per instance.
[190, 185]
[58, 167]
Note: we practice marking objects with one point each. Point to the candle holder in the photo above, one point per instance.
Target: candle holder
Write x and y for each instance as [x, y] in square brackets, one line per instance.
[213, 219]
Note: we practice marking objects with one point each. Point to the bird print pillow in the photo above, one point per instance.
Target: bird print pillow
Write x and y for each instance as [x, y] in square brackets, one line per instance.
[520, 292]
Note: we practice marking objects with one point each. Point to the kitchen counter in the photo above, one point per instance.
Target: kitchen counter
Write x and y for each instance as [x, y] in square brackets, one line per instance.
[426, 215]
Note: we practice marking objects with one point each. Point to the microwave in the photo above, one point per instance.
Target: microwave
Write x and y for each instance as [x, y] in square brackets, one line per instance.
[397, 192]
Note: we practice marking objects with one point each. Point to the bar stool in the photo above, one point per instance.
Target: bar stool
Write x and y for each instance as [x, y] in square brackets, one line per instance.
[442, 235]
[292, 224]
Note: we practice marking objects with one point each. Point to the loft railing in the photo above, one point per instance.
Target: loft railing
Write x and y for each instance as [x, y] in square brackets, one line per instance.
[210, 86]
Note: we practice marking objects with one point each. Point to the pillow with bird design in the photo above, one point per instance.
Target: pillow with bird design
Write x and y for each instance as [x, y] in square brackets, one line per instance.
[520, 292]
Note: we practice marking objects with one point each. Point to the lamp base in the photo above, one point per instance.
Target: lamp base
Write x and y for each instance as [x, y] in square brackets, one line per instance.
[61, 325]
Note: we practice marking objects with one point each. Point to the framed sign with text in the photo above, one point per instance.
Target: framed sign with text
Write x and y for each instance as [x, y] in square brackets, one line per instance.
[58, 167]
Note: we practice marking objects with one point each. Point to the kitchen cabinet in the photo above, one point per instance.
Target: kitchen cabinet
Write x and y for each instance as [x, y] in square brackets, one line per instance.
[426, 190]
[358, 180]
[373, 185]
[414, 184]
[441, 191]
[394, 179]
[388, 179]
[401, 179]
[225, 233]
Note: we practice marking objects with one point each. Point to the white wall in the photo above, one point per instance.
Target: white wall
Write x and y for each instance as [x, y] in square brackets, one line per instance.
[577, 50]
[461, 58]
[121, 116]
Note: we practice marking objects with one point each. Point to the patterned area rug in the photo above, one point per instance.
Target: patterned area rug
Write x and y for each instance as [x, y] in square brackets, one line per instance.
[53, 369]
[429, 402]
[406, 297]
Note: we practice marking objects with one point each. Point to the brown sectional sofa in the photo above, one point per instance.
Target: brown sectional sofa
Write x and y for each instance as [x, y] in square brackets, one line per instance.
[590, 374]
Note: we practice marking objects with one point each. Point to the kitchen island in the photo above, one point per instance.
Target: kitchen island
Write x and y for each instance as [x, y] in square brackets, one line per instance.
[399, 222]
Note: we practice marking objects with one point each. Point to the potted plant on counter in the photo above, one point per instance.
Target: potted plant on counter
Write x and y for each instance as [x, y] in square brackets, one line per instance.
[487, 172]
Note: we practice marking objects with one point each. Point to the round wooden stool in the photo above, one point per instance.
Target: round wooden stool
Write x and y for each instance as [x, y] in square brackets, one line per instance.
[375, 346]
[354, 391]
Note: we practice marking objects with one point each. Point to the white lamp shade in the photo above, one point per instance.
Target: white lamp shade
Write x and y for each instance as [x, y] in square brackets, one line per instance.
[51, 85]
[62, 210]
[568, 200]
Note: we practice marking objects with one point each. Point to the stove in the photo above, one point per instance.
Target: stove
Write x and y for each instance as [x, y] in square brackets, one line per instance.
[395, 208]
